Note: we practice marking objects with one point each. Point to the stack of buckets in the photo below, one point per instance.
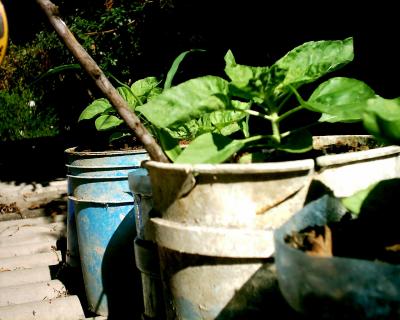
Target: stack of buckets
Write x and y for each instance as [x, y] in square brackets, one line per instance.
[101, 229]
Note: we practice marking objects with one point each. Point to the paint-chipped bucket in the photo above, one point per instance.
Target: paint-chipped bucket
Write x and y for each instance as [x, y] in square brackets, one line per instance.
[103, 210]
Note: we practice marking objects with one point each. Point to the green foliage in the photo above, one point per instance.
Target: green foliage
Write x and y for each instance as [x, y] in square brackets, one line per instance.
[140, 92]
[23, 63]
[269, 93]
[107, 117]
[382, 119]
[21, 117]
[109, 31]
[376, 201]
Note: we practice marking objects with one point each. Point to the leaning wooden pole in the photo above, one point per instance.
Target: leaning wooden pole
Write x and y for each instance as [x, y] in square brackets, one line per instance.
[91, 67]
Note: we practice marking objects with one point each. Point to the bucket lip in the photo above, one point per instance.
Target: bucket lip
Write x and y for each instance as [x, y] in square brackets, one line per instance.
[363, 155]
[104, 203]
[213, 241]
[71, 151]
[95, 177]
[137, 166]
[343, 136]
[233, 168]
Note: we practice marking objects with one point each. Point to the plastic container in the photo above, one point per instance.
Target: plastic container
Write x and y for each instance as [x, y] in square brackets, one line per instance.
[146, 253]
[335, 287]
[103, 210]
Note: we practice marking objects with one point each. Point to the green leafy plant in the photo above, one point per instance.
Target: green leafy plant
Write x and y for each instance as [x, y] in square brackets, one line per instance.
[106, 116]
[139, 93]
[381, 118]
[216, 114]
[22, 117]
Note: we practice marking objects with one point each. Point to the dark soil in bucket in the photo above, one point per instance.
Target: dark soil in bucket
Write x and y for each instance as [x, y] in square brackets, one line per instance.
[321, 147]
[347, 238]
[372, 235]
[124, 144]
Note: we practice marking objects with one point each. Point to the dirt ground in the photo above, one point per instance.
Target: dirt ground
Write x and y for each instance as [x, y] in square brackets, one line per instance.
[28, 200]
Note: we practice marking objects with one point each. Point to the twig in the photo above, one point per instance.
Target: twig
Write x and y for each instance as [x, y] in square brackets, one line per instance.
[94, 33]
[102, 82]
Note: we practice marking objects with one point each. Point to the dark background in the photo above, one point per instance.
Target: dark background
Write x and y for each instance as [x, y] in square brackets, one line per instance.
[258, 33]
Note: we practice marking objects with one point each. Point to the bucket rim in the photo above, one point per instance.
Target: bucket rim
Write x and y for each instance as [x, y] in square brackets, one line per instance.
[72, 151]
[233, 168]
[104, 203]
[86, 177]
[137, 166]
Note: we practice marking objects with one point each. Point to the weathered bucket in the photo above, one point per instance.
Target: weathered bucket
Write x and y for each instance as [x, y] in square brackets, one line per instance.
[105, 227]
[215, 234]
[88, 165]
[348, 172]
[146, 251]
[72, 253]
[215, 225]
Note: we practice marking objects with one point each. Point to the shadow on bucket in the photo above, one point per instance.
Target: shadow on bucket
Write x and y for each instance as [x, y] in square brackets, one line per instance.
[220, 288]
[121, 278]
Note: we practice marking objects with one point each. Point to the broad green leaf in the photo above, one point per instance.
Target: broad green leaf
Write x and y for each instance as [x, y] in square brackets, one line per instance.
[382, 119]
[186, 101]
[376, 204]
[354, 202]
[209, 148]
[95, 108]
[106, 122]
[224, 122]
[249, 82]
[242, 75]
[144, 86]
[297, 142]
[174, 68]
[169, 144]
[243, 123]
[227, 121]
[311, 60]
[340, 99]
[187, 131]
[240, 105]
[154, 93]
[128, 96]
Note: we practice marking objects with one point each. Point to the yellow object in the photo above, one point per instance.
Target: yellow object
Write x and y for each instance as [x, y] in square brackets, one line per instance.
[3, 32]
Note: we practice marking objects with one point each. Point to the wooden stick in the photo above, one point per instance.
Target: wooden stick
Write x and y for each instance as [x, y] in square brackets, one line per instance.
[91, 67]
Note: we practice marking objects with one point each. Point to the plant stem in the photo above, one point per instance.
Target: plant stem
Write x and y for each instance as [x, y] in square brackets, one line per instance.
[294, 110]
[275, 127]
[256, 138]
[255, 113]
[290, 112]
[90, 66]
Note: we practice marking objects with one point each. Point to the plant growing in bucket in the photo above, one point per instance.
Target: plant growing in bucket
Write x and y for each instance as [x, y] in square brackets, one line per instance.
[101, 202]
[346, 250]
[244, 172]
[241, 120]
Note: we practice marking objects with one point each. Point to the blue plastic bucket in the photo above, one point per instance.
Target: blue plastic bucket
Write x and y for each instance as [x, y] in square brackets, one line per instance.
[103, 212]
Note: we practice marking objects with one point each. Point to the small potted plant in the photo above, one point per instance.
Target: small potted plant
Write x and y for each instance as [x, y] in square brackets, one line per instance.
[101, 206]
[244, 172]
